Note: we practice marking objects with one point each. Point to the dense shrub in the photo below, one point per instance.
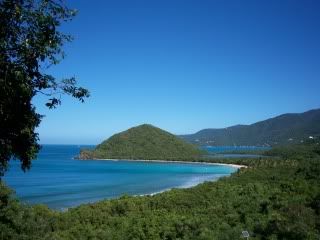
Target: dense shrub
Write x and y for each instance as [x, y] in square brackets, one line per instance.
[274, 198]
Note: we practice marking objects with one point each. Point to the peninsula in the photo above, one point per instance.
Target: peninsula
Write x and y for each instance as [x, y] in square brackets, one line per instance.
[144, 142]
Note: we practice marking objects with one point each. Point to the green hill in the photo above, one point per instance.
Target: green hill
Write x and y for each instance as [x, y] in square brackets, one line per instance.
[143, 142]
[283, 129]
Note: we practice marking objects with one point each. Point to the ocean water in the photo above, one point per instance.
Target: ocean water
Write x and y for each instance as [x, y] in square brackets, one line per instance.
[226, 151]
[223, 149]
[60, 182]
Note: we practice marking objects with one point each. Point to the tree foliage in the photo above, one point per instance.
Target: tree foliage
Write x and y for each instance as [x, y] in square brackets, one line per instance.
[283, 129]
[275, 198]
[30, 42]
[144, 142]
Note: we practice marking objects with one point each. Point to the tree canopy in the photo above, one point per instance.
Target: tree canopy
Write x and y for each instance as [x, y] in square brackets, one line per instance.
[30, 42]
[274, 198]
[143, 142]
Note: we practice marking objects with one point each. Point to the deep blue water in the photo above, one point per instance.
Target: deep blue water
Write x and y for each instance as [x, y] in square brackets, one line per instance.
[59, 181]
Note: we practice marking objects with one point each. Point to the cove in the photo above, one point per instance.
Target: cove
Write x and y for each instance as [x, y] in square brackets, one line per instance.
[59, 181]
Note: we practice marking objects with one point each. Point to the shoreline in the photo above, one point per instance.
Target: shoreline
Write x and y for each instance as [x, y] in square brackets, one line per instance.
[170, 161]
[236, 166]
[185, 186]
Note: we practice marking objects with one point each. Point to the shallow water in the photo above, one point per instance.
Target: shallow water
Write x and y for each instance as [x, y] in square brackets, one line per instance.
[59, 181]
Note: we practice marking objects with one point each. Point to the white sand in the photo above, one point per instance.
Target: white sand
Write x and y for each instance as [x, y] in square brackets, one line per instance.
[172, 161]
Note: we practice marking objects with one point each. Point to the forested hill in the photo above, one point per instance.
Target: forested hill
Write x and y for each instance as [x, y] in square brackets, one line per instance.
[143, 142]
[283, 129]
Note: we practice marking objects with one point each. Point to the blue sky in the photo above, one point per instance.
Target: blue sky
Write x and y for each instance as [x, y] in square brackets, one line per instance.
[185, 65]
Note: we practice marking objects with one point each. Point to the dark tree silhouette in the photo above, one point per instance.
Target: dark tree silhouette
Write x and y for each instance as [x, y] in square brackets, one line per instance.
[30, 42]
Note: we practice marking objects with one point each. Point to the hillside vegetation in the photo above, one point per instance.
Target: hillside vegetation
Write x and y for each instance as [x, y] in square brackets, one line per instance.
[143, 142]
[284, 129]
[275, 198]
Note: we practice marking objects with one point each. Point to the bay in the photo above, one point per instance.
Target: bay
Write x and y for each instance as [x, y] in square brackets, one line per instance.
[59, 181]
[234, 151]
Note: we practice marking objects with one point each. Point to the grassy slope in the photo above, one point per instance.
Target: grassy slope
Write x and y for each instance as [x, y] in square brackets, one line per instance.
[145, 142]
[276, 198]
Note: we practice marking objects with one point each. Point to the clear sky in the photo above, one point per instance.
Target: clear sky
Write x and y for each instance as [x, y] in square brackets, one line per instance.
[185, 65]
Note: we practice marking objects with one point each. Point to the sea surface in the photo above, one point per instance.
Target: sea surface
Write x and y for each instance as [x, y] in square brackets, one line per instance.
[234, 151]
[60, 181]
[222, 149]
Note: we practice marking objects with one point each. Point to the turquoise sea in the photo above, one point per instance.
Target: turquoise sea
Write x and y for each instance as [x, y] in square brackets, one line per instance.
[60, 182]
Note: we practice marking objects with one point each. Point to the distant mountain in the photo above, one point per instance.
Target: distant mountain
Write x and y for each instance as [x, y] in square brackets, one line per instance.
[143, 142]
[284, 129]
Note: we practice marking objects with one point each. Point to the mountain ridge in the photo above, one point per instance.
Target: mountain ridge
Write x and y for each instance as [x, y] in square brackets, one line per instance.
[283, 129]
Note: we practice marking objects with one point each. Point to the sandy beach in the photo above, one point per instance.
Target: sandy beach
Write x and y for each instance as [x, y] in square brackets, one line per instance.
[172, 161]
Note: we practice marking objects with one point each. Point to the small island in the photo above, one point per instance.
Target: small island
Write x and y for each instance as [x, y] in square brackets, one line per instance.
[144, 142]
